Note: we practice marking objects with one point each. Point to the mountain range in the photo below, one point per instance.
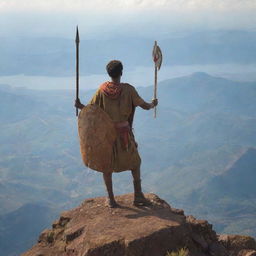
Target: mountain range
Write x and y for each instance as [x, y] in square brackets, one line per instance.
[56, 56]
[198, 154]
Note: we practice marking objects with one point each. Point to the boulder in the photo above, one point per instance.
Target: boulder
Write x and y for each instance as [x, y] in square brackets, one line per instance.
[238, 245]
[94, 229]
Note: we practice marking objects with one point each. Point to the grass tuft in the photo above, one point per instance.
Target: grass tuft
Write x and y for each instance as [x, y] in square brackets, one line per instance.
[181, 252]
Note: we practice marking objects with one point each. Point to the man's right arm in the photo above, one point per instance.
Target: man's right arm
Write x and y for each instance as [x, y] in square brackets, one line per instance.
[148, 106]
[138, 101]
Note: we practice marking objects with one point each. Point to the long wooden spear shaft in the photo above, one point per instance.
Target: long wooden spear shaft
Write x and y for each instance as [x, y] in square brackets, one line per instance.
[77, 66]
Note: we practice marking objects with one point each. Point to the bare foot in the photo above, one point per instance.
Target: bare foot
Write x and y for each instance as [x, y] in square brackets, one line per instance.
[141, 201]
[112, 203]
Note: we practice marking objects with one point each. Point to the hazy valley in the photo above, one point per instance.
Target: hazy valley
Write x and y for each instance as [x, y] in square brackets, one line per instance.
[202, 142]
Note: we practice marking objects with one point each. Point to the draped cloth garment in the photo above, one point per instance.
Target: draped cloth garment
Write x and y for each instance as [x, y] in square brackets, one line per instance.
[119, 101]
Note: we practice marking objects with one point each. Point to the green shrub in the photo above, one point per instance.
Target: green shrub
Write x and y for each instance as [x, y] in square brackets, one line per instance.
[181, 252]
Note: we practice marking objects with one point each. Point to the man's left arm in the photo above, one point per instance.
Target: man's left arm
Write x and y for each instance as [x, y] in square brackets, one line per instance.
[95, 100]
[78, 104]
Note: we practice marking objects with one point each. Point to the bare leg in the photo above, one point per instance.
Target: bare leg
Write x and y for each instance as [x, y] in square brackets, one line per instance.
[108, 182]
[136, 174]
[139, 198]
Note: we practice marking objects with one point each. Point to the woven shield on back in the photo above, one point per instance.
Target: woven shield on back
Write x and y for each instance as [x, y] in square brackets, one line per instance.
[97, 136]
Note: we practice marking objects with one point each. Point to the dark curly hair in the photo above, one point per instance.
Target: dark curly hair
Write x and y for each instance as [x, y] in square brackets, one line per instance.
[114, 68]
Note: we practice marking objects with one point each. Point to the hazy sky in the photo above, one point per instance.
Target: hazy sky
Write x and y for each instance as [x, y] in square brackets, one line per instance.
[102, 18]
[119, 18]
[77, 5]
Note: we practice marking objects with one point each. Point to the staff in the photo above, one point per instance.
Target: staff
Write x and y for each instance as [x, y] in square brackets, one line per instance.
[77, 66]
[157, 58]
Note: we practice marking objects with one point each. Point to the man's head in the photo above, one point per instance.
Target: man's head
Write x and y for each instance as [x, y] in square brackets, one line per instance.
[114, 68]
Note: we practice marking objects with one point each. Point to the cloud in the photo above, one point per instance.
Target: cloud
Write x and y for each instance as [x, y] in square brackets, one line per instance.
[102, 18]
[115, 5]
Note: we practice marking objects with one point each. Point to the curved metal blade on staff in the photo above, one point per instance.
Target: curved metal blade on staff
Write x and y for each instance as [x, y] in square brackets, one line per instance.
[157, 58]
[77, 66]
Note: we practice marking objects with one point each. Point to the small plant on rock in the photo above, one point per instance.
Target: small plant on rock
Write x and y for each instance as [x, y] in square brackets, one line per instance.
[181, 252]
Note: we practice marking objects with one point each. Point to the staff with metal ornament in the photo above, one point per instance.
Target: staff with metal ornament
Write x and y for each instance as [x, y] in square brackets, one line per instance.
[157, 58]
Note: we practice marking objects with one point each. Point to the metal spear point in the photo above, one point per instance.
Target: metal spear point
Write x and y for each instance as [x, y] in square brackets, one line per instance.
[157, 58]
[77, 66]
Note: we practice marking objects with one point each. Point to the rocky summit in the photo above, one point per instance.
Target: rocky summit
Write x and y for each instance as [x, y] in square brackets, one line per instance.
[93, 229]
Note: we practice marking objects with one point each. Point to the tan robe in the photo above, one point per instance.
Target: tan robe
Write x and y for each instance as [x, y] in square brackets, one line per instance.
[122, 109]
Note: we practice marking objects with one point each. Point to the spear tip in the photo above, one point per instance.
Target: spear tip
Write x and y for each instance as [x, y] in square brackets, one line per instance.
[77, 35]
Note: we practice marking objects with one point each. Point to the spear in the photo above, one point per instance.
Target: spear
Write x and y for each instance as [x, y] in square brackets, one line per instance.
[157, 58]
[77, 66]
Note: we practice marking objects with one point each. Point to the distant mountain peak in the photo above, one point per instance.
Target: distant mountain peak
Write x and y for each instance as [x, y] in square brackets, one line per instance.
[202, 75]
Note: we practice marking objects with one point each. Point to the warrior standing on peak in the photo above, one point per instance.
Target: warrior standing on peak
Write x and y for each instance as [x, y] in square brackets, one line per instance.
[119, 101]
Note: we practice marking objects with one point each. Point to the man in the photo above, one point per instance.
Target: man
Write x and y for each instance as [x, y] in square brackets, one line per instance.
[119, 101]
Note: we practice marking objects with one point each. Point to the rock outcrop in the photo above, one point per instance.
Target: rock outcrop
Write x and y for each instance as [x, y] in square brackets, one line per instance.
[93, 229]
[238, 245]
